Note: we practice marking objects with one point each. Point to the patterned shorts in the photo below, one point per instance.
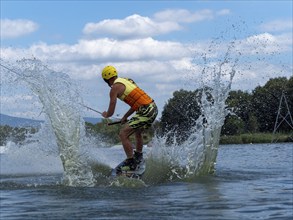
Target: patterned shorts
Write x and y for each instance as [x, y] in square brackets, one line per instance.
[144, 117]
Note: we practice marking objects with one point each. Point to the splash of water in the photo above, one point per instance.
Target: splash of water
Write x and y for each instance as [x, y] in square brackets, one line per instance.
[60, 100]
[197, 155]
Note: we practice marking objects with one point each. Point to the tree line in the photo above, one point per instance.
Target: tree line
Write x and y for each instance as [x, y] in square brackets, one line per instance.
[251, 112]
[15, 134]
[257, 111]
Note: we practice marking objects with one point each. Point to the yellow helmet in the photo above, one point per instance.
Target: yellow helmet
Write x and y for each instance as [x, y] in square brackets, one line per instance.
[109, 72]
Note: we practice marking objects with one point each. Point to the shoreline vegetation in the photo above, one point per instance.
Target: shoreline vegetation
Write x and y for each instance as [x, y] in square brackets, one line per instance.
[256, 138]
[18, 135]
[251, 138]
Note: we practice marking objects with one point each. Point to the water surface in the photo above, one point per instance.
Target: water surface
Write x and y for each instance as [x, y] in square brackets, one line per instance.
[251, 182]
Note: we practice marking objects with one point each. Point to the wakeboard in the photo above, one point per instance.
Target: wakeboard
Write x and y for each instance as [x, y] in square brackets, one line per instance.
[136, 174]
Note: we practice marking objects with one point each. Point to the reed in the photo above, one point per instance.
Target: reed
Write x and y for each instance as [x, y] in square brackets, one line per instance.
[256, 138]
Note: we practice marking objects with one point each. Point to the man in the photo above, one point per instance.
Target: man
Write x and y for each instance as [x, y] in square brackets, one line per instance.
[140, 103]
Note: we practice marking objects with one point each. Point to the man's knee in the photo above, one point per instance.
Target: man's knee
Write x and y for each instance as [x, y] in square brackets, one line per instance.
[125, 133]
[122, 134]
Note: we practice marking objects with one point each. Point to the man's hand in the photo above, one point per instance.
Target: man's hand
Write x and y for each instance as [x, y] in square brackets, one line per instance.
[105, 114]
[123, 120]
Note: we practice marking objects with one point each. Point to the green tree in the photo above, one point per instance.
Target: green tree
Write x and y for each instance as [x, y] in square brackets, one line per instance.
[289, 94]
[252, 124]
[15, 134]
[109, 134]
[180, 114]
[240, 103]
[233, 125]
[266, 101]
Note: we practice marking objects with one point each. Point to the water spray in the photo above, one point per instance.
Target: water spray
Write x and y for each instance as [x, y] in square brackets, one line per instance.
[9, 69]
[94, 110]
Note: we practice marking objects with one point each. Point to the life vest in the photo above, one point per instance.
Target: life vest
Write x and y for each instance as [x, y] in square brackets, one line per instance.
[133, 95]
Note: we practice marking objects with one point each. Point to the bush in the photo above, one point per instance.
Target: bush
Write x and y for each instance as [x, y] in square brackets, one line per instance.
[256, 138]
[233, 126]
[231, 139]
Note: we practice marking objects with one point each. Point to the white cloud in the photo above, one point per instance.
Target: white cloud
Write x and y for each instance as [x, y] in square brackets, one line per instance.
[17, 28]
[137, 49]
[285, 42]
[20, 103]
[183, 15]
[154, 64]
[104, 49]
[262, 41]
[277, 25]
[223, 12]
[134, 26]
[266, 44]
[257, 74]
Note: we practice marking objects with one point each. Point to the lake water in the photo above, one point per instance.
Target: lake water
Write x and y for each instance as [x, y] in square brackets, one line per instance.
[251, 182]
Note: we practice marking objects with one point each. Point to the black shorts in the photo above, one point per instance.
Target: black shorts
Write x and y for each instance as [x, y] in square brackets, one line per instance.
[144, 117]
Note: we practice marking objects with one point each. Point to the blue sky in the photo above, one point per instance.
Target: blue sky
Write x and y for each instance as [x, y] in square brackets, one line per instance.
[153, 42]
[64, 20]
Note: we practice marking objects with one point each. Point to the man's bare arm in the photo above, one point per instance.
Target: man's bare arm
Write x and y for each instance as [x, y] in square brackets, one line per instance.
[114, 93]
[127, 114]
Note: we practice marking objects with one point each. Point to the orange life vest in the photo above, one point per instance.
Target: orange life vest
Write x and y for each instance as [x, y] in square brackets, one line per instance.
[133, 95]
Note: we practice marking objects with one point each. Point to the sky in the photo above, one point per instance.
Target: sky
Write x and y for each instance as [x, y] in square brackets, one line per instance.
[161, 45]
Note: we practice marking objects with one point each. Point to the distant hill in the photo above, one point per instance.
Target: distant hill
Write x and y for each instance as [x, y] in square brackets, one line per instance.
[19, 122]
[26, 122]
[92, 120]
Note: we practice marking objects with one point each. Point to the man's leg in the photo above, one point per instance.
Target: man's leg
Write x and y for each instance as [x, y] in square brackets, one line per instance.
[138, 155]
[139, 140]
[124, 134]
